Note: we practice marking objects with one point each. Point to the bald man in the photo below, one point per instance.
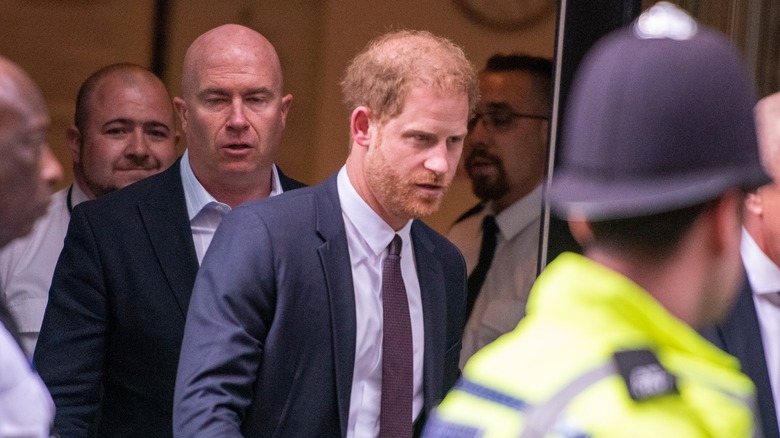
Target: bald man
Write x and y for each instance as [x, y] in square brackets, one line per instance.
[111, 335]
[124, 131]
[341, 313]
[752, 330]
[28, 170]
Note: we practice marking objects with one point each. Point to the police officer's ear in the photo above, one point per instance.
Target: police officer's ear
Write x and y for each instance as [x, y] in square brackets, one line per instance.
[580, 230]
[75, 142]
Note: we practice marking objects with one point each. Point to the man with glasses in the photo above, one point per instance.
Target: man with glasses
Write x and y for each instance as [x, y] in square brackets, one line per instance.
[505, 153]
[659, 147]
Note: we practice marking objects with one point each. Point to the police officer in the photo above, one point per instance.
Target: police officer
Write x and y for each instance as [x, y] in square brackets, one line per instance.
[660, 146]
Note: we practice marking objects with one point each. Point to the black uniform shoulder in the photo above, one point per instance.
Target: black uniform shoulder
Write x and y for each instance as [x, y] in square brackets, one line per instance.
[287, 182]
[470, 212]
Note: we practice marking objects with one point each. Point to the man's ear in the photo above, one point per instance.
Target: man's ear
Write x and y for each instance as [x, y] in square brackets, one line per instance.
[286, 103]
[580, 230]
[74, 143]
[181, 110]
[360, 124]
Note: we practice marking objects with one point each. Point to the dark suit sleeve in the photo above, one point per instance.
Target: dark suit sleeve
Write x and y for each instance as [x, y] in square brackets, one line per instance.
[229, 316]
[69, 355]
[456, 310]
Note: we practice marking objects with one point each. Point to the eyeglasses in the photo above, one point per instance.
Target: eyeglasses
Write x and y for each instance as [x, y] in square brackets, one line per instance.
[499, 121]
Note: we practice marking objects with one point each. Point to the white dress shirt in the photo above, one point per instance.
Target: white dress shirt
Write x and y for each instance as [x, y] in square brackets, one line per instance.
[26, 408]
[502, 299]
[27, 266]
[764, 277]
[204, 211]
[368, 237]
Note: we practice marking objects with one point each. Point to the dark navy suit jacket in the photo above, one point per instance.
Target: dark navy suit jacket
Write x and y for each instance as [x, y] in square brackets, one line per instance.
[739, 335]
[109, 345]
[269, 345]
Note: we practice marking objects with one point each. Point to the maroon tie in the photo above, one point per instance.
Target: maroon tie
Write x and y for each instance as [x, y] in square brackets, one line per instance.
[395, 419]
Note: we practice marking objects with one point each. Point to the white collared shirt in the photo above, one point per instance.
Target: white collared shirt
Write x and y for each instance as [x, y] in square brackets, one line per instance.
[27, 266]
[26, 406]
[204, 211]
[764, 277]
[502, 299]
[368, 237]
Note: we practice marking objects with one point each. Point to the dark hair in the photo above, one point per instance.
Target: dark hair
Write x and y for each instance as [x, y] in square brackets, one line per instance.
[540, 68]
[520, 62]
[649, 237]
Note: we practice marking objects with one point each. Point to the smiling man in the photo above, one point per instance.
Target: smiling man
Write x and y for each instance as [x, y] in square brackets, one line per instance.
[124, 131]
[109, 343]
[317, 328]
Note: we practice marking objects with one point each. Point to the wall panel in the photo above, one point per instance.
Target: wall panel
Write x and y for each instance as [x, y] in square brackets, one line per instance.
[61, 42]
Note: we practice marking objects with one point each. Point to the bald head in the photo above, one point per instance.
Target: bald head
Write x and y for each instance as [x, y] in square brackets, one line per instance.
[125, 75]
[227, 44]
[767, 114]
[28, 169]
[18, 92]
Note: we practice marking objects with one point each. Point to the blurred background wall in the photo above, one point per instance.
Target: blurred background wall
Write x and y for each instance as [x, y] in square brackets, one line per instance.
[60, 42]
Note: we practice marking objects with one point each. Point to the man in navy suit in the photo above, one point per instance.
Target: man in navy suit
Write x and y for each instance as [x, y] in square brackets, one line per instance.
[286, 332]
[751, 332]
[109, 345]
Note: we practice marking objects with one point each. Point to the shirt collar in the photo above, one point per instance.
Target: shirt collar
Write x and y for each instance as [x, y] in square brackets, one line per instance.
[369, 225]
[520, 214]
[194, 193]
[762, 273]
[77, 196]
[198, 197]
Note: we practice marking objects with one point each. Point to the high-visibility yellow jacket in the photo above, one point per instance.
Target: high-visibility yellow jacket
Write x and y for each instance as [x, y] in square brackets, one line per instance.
[597, 356]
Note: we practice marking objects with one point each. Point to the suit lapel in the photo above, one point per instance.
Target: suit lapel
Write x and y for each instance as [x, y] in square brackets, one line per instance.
[741, 336]
[432, 290]
[337, 269]
[287, 182]
[164, 213]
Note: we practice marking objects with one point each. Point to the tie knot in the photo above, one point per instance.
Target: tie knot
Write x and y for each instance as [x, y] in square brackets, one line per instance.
[395, 246]
[489, 225]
